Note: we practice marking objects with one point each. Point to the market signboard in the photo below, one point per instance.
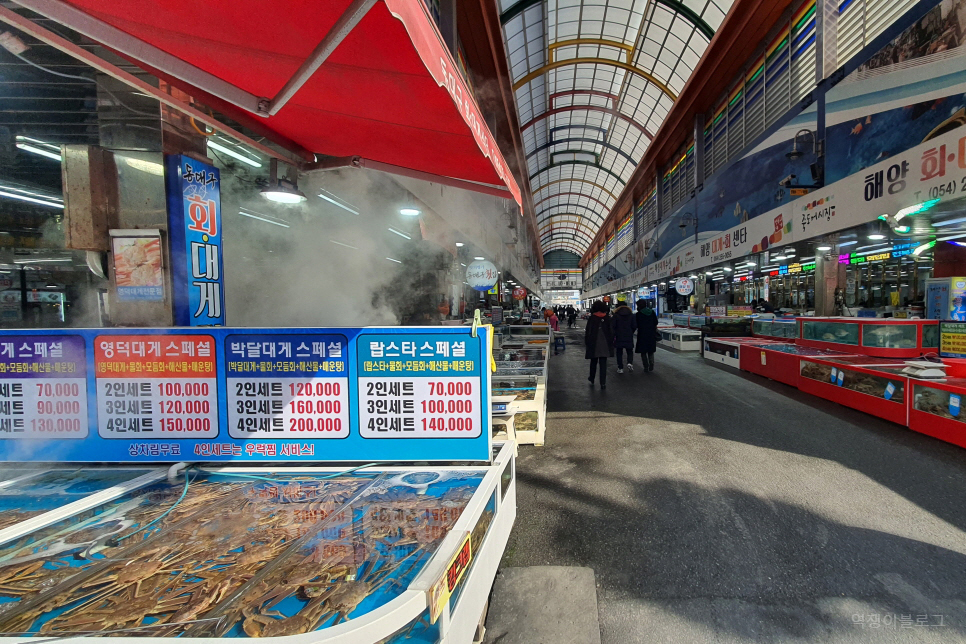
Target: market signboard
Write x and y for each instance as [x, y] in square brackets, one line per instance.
[222, 394]
[194, 224]
[952, 339]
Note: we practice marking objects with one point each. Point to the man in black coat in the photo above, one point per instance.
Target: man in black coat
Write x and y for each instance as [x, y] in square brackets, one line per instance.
[599, 342]
[624, 326]
[647, 333]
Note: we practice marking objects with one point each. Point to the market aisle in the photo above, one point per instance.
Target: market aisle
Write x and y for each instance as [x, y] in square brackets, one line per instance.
[717, 507]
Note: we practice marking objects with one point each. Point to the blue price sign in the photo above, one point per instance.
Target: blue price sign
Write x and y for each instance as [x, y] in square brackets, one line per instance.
[194, 218]
[220, 394]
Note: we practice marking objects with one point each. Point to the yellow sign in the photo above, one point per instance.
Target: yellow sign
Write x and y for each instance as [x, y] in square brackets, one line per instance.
[440, 592]
[798, 192]
[894, 296]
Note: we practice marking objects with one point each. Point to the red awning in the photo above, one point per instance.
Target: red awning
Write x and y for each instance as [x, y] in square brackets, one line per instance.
[389, 91]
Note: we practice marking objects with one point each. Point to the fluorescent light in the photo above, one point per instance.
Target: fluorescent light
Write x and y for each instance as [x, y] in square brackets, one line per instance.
[709, 273]
[259, 218]
[479, 259]
[13, 195]
[727, 269]
[393, 230]
[459, 244]
[876, 236]
[949, 222]
[947, 238]
[332, 199]
[43, 144]
[408, 212]
[235, 155]
[851, 243]
[823, 248]
[39, 151]
[338, 243]
[279, 194]
[394, 260]
[41, 261]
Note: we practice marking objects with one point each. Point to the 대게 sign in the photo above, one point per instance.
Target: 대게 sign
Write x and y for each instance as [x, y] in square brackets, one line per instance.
[194, 223]
[220, 394]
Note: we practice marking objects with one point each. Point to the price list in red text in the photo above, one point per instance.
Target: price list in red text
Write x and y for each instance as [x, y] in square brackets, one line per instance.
[156, 386]
[287, 386]
[43, 387]
[419, 386]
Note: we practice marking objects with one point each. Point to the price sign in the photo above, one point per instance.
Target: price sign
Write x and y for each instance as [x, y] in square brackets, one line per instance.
[285, 386]
[156, 386]
[952, 339]
[419, 386]
[43, 387]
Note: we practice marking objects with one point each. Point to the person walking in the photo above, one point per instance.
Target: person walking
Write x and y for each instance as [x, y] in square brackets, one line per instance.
[571, 317]
[624, 326]
[599, 342]
[647, 334]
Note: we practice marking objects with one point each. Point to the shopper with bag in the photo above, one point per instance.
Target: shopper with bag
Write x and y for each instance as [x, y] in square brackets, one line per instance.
[624, 326]
[599, 342]
[647, 333]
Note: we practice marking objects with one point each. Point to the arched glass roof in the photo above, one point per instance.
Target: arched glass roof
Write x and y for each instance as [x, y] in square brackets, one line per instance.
[593, 81]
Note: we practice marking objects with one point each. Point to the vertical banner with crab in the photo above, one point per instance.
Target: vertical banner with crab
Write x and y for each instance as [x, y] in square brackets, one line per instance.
[194, 224]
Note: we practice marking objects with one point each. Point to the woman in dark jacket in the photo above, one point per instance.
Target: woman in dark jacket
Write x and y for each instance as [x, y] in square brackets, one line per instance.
[624, 327]
[647, 334]
[599, 342]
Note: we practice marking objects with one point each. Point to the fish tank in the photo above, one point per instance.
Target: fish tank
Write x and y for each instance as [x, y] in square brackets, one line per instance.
[524, 388]
[937, 402]
[890, 336]
[930, 336]
[246, 553]
[680, 319]
[824, 330]
[729, 326]
[698, 321]
[888, 389]
[775, 328]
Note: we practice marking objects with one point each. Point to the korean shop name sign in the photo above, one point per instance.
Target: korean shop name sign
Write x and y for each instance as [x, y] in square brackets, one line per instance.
[224, 394]
[194, 223]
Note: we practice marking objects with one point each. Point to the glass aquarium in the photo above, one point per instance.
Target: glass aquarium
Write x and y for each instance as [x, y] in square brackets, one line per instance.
[930, 336]
[524, 330]
[730, 326]
[240, 555]
[519, 371]
[831, 331]
[775, 328]
[937, 402]
[884, 387]
[890, 336]
[698, 321]
[519, 355]
[33, 496]
[721, 348]
[523, 388]
[680, 319]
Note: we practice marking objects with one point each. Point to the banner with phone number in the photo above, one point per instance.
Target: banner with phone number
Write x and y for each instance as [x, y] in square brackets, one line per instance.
[233, 394]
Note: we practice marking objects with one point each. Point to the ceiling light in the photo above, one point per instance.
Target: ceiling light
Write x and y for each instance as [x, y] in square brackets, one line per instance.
[235, 155]
[823, 248]
[332, 199]
[39, 151]
[409, 212]
[393, 230]
[42, 261]
[13, 195]
[394, 260]
[876, 236]
[284, 192]
[459, 244]
[727, 269]
[262, 218]
[949, 222]
[479, 259]
[338, 243]
[851, 243]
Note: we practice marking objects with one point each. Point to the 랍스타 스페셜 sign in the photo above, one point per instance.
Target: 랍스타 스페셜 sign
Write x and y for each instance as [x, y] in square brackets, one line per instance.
[227, 394]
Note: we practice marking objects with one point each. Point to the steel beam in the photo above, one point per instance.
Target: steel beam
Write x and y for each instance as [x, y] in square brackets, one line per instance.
[540, 71]
[139, 50]
[342, 27]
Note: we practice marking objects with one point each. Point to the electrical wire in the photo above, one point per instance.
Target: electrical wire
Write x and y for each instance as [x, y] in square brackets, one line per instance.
[116, 541]
[89, 80]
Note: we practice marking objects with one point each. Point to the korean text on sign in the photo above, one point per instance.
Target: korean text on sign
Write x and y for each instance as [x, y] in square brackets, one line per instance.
[43, 387]
[283, 386]
[160, 386]
[420, 386]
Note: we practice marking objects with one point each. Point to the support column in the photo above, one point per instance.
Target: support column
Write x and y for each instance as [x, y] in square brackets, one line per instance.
[829, 276]
[698, 151]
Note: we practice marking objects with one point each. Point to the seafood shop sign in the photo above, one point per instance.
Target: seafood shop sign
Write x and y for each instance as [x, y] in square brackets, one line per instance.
[223, 394]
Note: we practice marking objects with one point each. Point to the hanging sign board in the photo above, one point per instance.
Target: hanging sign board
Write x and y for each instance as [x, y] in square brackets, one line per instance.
[194, 223]
[221, 394]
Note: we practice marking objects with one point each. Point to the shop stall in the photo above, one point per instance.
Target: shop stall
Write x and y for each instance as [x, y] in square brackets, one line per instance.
[775, 328]
[521, 371]
[866, 384]
[779, 361]
[679, 338]
[935, 409]
[225, 503]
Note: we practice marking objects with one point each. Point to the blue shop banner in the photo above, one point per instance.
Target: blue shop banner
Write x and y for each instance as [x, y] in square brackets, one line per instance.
[194, 224]
[222, 394]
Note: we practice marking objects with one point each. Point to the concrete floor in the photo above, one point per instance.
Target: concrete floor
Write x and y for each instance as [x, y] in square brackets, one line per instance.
[715, 506]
